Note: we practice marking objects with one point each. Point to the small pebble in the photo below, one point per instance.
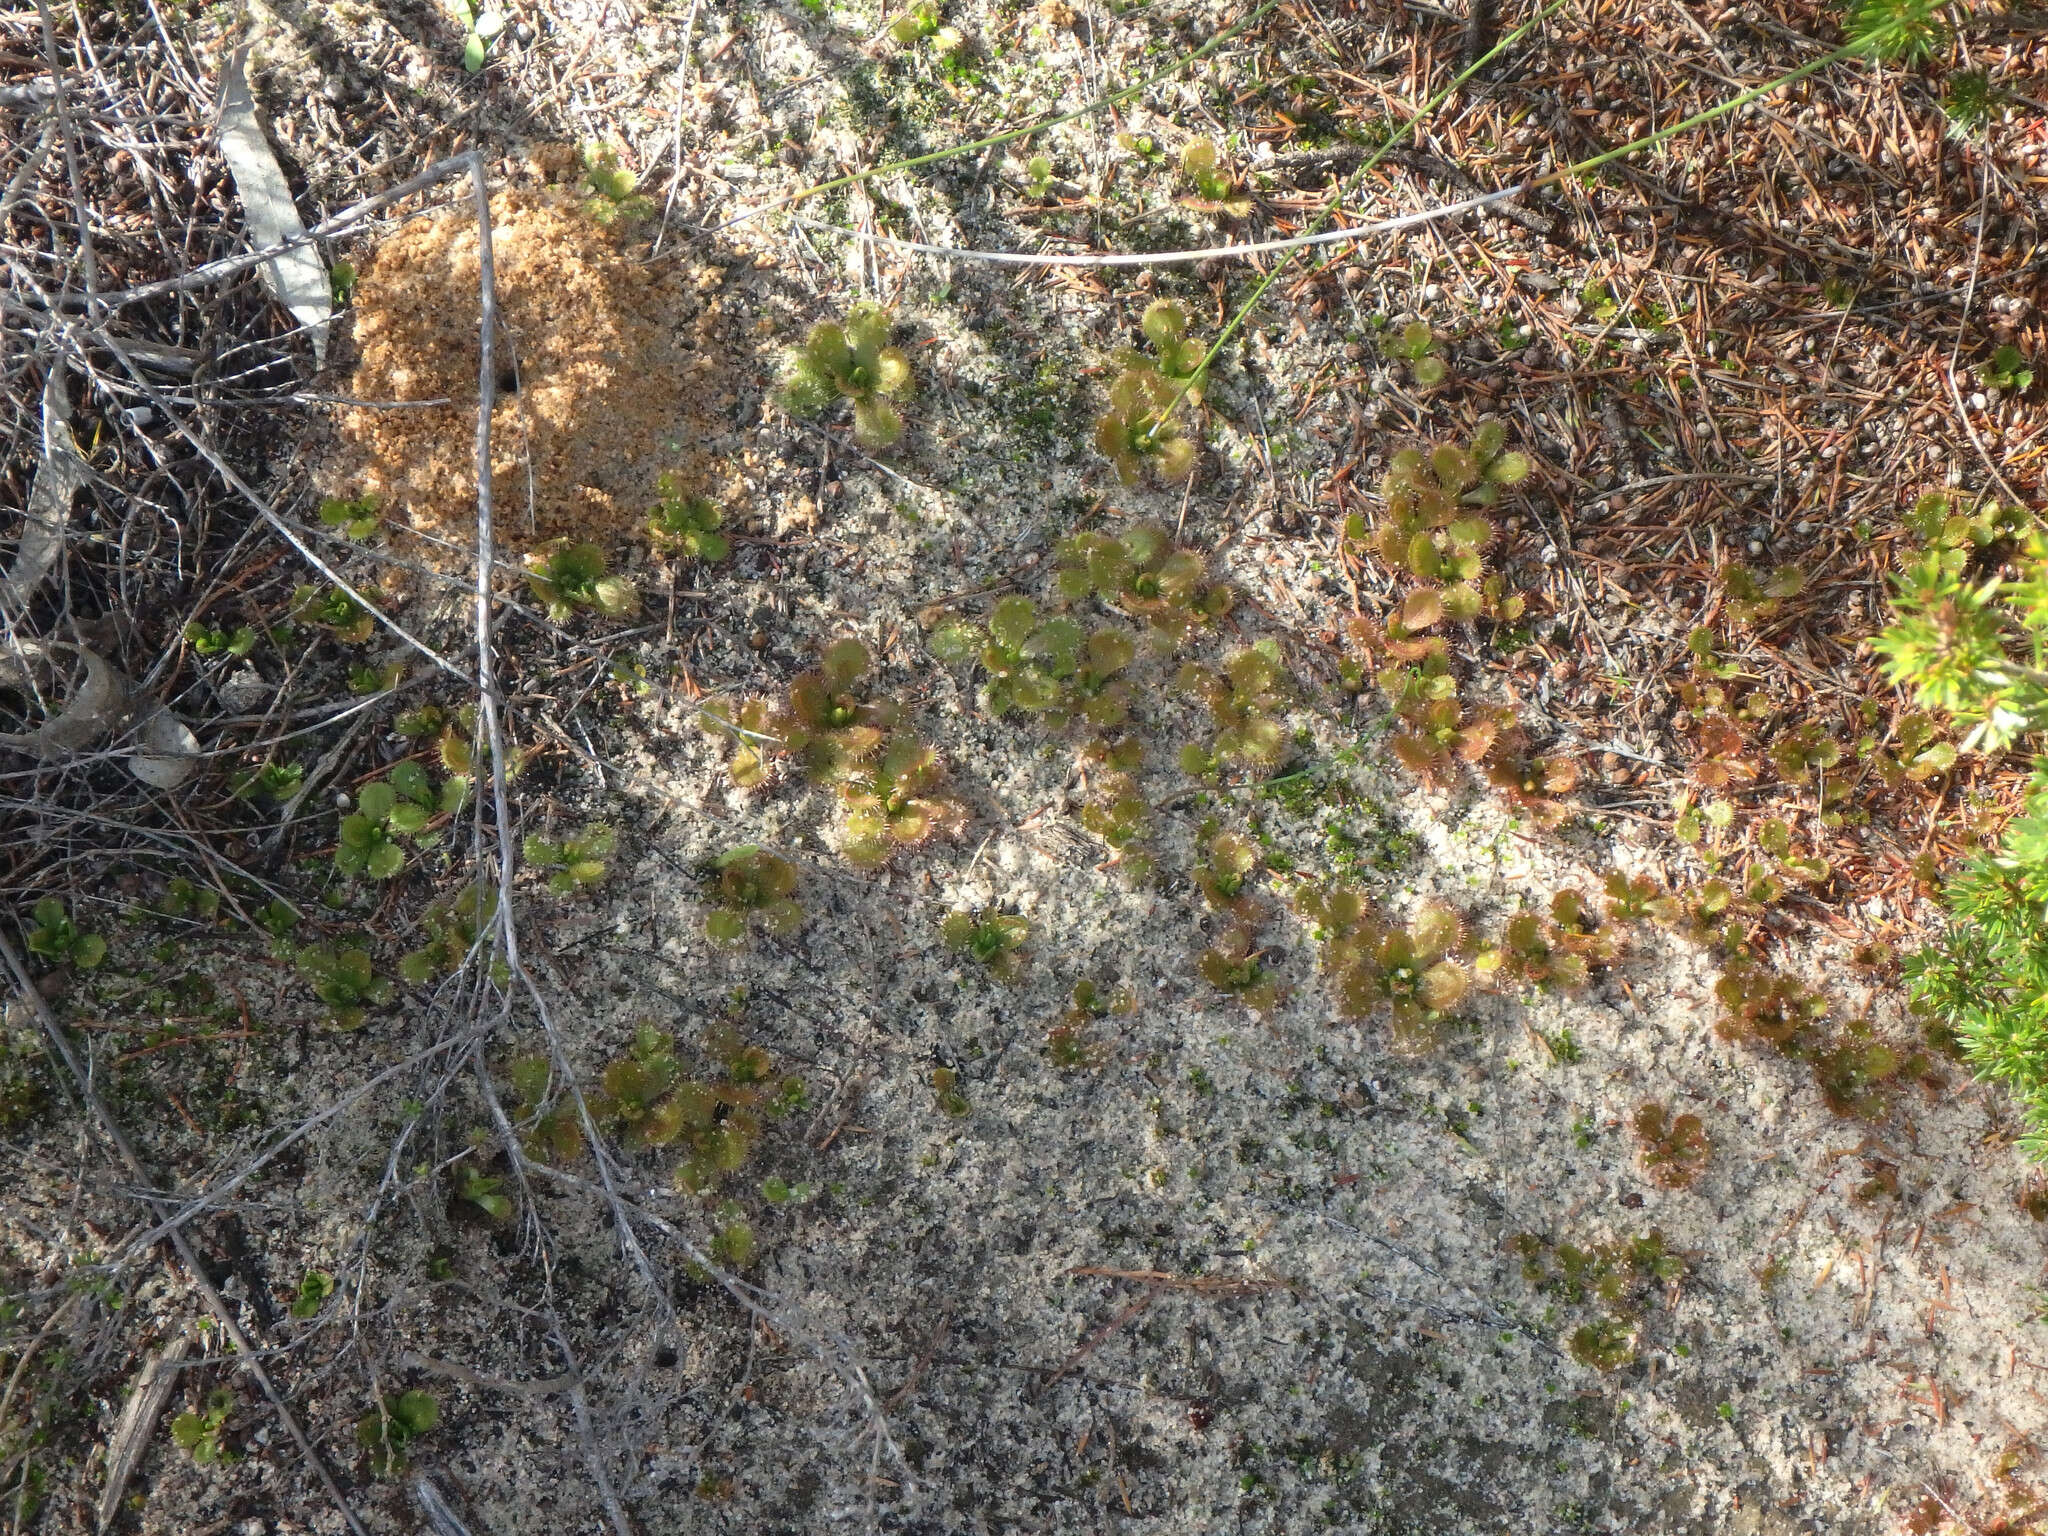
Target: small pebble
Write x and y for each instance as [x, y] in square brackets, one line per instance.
[1432, 292]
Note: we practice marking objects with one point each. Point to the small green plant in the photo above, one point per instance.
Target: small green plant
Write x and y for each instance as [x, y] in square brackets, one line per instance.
[834, 722]
[747, 886]
[1245, 701]
[1145, 575]
[1179, 358]
[575, 862]
[946, 1089]
[1856, 1072]
[851, 362]
[1140, 433]
[993, 940]
[1070, 1044]
[1630, 899]
[1024, 656]
[1605, 1344]
[899, 801]
[333, 610]
[198, 1435]
[315, 1286]
[550, 1129]
[341, 283]
[452, 925]
[346, 981]
[403, 805]
[1755, 597]
[1553, 954]
[60, 941]
[1432, 527]
[613, 191]
[482, 1192]
[1201, 165]
[1968, 98]
[1616, 1277]
[1418, 347]
[393, 1425]
[1437, 731]
[1228, 861]
[1413, 972]
[1038, 174]
[211, 640]
[2008, 369]
[916, 24]
[1533, 782]
[1901, 32]
[353, 517]
[565, 575]
[1235, 964]
[1674, 1147]
[1759, 1004]
[686, 525]
[1117, 811]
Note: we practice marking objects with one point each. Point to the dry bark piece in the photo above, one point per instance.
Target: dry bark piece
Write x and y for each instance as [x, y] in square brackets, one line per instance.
[297, 277]
[151, 1394]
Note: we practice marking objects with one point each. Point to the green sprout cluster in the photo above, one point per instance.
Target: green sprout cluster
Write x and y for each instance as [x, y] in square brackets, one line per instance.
[333, 610]
[1070, 1044]
[992, 940]
[1116, 810]
[565, 575]
[1148, 577]
[199, 1435]
[853, 362]
[1616, 1277]
[1553, 953]
[1432, 527]
[1201, 164]
[404, 807]
[1245, 700]
[1674, 1147]
[389, 1428]
[686, 525]
[1418, 347]
[574, 862]
[346, 980]
[1413, 971]
[749, 887]
[58, 939]
[613, 191]
[353, 517]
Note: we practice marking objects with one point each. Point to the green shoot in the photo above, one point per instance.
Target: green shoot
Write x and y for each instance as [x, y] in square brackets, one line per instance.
[315, 1286]
[210, 640]
[1235, 965]
[1199, 163]
[1227, 864]
[1674, 1147]
[333, 610]
[834, 724]
[1418, 347]
[916, 24]
[551, 1133]
[199, 1434]
[565, 576]
[60, 941]
[851, 362]
[346, 981]
[747, 886]
[1147, 577]
[1140, 432]
[1024, 657]
[897, 802]
[686, 525]
[1430, 528]
[946, 1087]
[483, 1192]
[2008, 370]
[613, 197]
[1760, 1005]
[1244, 700]
[575, 862]
[1070, 1044]
[395, 1423]
[1413, 972]
[351, 517]
[993, 940]
[451, 926]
